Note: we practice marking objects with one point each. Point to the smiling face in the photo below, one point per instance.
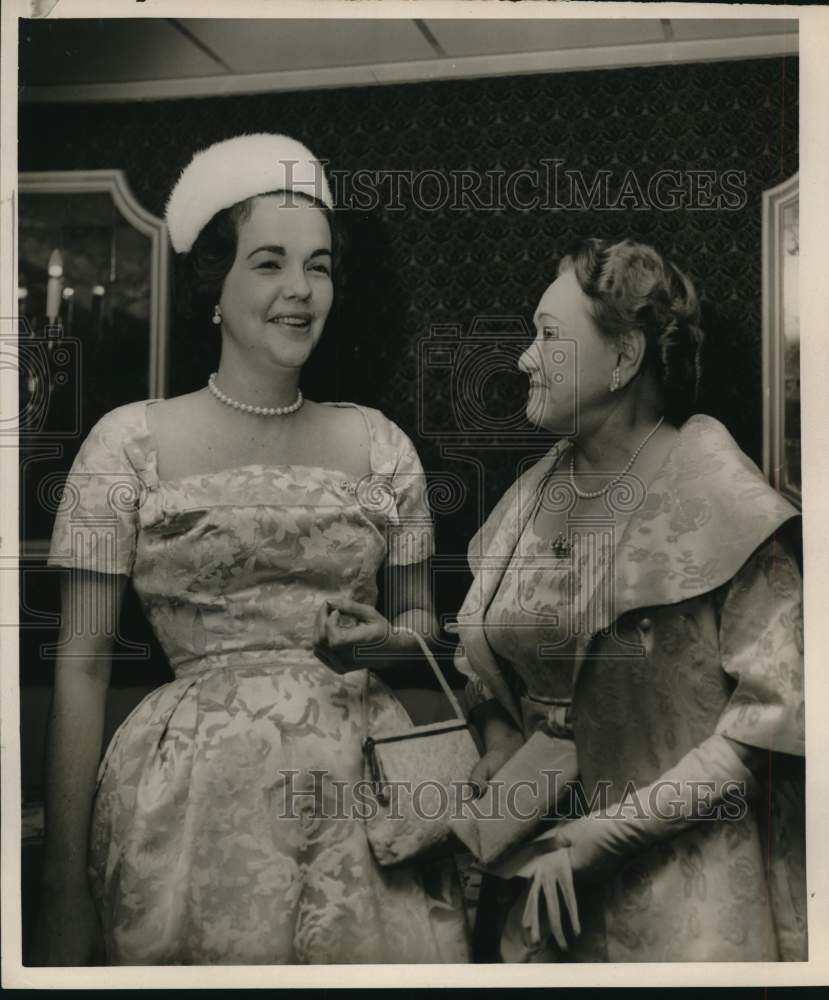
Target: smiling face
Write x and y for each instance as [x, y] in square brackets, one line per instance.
[570, 362]
[278, 293]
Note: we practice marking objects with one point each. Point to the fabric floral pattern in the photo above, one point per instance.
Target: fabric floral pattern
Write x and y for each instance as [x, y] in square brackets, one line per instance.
[528, 623]
[704, 635]
[222, 828]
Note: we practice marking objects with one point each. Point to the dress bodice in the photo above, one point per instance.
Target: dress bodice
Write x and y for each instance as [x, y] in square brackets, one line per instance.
[528, 623]
[233, 565]
[238, 562]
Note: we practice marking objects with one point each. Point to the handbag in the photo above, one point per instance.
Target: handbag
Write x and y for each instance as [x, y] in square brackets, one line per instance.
[418, 779]
[518, 797]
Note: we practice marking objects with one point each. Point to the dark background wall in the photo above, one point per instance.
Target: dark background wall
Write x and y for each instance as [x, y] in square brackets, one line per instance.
[410, 269]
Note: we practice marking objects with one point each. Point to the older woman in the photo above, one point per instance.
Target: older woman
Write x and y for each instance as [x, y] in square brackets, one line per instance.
[252, 523]
[643, 574]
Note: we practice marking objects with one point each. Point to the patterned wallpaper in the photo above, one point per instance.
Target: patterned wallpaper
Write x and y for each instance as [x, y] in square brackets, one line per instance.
[470, 264]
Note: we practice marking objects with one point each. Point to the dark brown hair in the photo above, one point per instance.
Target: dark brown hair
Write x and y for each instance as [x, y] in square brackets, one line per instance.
[205, 267]
[632, 286]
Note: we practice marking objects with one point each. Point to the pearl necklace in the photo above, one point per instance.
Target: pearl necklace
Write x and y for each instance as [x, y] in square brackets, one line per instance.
[606, 489]
[259, 411]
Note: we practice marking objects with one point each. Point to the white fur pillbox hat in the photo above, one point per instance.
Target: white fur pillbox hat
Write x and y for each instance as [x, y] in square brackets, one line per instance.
[235, 169]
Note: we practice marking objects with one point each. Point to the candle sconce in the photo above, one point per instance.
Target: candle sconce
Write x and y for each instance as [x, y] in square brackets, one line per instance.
[93, 307]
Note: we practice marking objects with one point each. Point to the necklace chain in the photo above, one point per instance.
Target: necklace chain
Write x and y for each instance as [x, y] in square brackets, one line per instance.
[592, 494]
[259, 411]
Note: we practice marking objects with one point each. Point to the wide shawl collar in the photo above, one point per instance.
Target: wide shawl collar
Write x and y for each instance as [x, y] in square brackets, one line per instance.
[706, 511]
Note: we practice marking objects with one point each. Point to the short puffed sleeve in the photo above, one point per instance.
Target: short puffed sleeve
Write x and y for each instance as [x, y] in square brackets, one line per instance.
[398, 485]
[761, 644]
[97, 521]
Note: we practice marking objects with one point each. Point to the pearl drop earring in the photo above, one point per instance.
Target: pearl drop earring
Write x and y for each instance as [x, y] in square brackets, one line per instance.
[217, 314]
[616, 379]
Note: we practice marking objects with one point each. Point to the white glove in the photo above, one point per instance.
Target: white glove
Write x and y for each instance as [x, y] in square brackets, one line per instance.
[551, 874]
[592, 846]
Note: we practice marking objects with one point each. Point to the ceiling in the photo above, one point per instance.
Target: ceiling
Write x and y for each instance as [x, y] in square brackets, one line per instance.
[138, 58]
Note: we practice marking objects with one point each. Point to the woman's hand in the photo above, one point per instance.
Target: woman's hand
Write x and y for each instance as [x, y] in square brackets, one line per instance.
[552, 881]
[68, 931]
[591, 858]
[593, 845]
[494, 759]
[340, 626]
[600, 842]
[501, 740]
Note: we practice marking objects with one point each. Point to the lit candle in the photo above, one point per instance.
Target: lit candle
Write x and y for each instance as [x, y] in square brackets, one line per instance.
[98, 292]
[54, 286]
[69, 299]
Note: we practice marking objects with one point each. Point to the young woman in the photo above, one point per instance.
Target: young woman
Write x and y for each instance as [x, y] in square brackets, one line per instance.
[253, 523]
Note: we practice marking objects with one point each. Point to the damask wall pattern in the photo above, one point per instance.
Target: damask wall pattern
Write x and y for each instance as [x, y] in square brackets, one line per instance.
[413, 268]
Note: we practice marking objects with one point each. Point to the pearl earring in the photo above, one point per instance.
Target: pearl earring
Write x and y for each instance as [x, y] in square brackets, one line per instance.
[217, 314]
[616, 379]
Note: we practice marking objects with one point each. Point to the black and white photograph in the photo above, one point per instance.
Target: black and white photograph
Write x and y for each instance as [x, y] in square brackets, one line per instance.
[402, 432]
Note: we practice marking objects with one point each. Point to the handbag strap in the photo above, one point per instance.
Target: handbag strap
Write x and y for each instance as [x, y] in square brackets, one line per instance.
[436, 670]
[435, 667]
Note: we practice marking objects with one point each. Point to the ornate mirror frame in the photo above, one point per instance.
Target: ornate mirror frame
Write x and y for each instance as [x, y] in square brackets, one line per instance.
[781, 339]
[42, 445]
[114, 182]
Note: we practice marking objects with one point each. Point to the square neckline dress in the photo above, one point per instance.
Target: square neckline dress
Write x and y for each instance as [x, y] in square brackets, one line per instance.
[212, 840]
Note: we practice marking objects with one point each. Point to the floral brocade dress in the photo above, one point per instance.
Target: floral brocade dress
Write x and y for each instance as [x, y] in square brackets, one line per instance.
[221, 833]
[675, 617]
